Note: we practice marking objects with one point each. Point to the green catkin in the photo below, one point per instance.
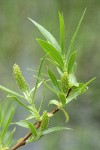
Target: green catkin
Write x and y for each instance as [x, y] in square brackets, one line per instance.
[65, 82]
[19, 78]
[45, 121]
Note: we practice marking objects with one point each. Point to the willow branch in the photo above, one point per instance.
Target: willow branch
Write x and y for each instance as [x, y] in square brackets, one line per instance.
[37, 125]
[27, 136]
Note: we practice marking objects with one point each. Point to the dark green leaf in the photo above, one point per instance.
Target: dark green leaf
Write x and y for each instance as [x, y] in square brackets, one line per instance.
[71, 62]
[52, 52]
[54, 80]
[47, 35]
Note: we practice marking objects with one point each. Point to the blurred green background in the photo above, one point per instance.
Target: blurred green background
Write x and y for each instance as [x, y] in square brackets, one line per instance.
[18, 45]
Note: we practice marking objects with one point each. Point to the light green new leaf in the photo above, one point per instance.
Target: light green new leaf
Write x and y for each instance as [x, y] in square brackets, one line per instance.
[7, 123]
[46, 34]
[62, 98]
[10, 91]
[55, 102]
[10, 137]
[66, 114]
[28, 125]
[75, 34]
[54, 129]
[62, 32]
[54, 81]
[52, 52]
[0, 114]
[71, 62]
[22, 104]
[78, 90]
[38, 76]
[72, 80]
[31, 116]
[87, 83]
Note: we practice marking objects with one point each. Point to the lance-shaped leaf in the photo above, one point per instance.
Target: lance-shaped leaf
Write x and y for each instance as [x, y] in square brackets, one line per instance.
[0, 114]
[75, 34]
[52, 52]
[71, 62]
[47, 35]
[22, 104]
[54, 80]
[54, 129]
[28, 125]
[62, 98]
[38, 76]
[10, 137]
[11, 92]
[62, 32]
[66, 114]
[54, 102]
[7, 122]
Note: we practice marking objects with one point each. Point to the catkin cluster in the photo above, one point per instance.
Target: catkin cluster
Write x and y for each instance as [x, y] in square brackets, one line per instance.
[19, 78]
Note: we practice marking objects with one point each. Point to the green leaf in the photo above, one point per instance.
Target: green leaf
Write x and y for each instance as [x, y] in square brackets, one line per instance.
[0, 114]
[47, 35]
[31, 116]
[56, 64]
[55, 102]
[15, 98]
[32, 128]
[62, 31]
[76, 91]
[90, 81]
[11, 92]
[32, 90]
[71, 62]
[28, 125]
[75, 34]
[10, 137]
[52, 52]
[72, 80]
[54, 129]
[66, 114]
[62, 98]
[7, 123]
[54, 81]
[39, 74]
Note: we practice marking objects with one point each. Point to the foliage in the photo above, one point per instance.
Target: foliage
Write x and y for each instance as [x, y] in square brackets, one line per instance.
[65, 87]
[6, 115]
